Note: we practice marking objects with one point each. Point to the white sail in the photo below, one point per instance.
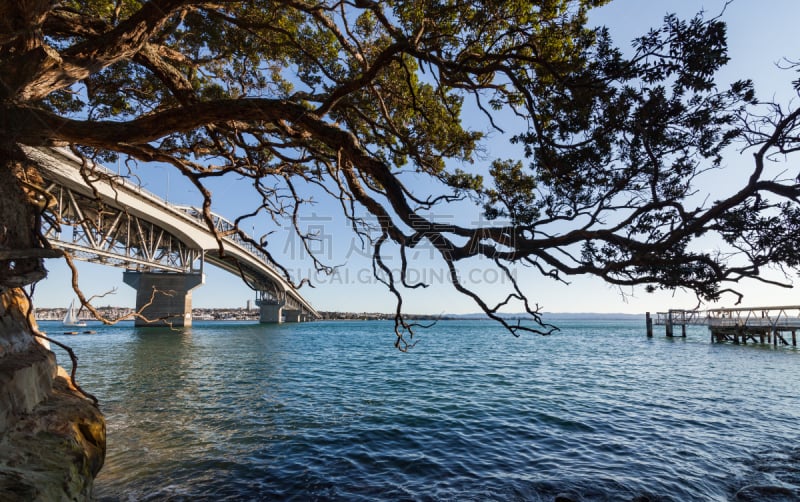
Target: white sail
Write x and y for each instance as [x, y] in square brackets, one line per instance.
[71, 317]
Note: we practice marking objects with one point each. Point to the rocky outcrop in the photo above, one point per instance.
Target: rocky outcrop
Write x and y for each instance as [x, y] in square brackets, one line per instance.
[52, 439]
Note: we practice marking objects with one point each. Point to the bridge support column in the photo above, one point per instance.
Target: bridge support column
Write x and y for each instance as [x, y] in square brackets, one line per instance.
[271, 313]
[293, 315]
[169, 296]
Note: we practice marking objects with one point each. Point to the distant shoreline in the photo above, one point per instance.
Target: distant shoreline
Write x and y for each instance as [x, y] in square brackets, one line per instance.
[243, 314]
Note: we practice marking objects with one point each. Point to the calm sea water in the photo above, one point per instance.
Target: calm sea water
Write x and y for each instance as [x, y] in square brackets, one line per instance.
[331, 411]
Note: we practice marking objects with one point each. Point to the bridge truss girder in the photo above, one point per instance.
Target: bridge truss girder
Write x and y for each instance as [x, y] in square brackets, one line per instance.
[96, 232]
[271, 293]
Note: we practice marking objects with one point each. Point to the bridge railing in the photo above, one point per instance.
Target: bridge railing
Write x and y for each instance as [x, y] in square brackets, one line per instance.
[681, 317]
[228, 231]
[767, 317]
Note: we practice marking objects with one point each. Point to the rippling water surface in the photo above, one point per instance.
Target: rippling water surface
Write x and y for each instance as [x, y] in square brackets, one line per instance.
[331, 411]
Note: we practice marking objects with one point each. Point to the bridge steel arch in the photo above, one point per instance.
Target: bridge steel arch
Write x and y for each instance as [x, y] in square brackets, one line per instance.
[162, 246]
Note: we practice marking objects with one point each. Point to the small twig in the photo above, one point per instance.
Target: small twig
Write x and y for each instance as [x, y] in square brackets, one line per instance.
[74, 360]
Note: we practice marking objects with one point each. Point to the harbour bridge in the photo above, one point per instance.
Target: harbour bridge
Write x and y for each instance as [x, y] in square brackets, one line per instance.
[162, 247]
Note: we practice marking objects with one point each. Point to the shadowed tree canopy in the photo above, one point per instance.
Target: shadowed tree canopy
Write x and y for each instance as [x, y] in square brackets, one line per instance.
[363, 99]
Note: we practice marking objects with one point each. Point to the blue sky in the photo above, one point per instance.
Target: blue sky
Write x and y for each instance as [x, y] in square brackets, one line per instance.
[760, 35]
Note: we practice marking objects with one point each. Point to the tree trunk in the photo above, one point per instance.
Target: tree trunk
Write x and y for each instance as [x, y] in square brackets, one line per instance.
[52, 439]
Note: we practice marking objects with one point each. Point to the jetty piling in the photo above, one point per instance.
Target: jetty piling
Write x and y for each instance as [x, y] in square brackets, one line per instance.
[676, 317]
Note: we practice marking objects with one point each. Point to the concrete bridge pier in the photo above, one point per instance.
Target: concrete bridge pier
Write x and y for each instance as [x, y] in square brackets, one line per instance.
[293, 315]
[172, 302]
[271, 312]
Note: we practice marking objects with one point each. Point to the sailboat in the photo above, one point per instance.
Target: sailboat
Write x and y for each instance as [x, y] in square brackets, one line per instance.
[71, 317]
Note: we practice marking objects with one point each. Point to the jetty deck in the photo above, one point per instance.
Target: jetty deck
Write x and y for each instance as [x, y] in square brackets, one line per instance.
[776, 325]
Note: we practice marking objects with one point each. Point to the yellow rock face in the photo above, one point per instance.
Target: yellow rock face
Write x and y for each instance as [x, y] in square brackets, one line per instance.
[54, 452]
[52, 439]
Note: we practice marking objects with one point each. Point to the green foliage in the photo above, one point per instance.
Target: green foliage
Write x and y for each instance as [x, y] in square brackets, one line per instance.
[514, 194]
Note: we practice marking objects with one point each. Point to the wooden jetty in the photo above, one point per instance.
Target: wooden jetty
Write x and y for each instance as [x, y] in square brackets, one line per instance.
[776, 325]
